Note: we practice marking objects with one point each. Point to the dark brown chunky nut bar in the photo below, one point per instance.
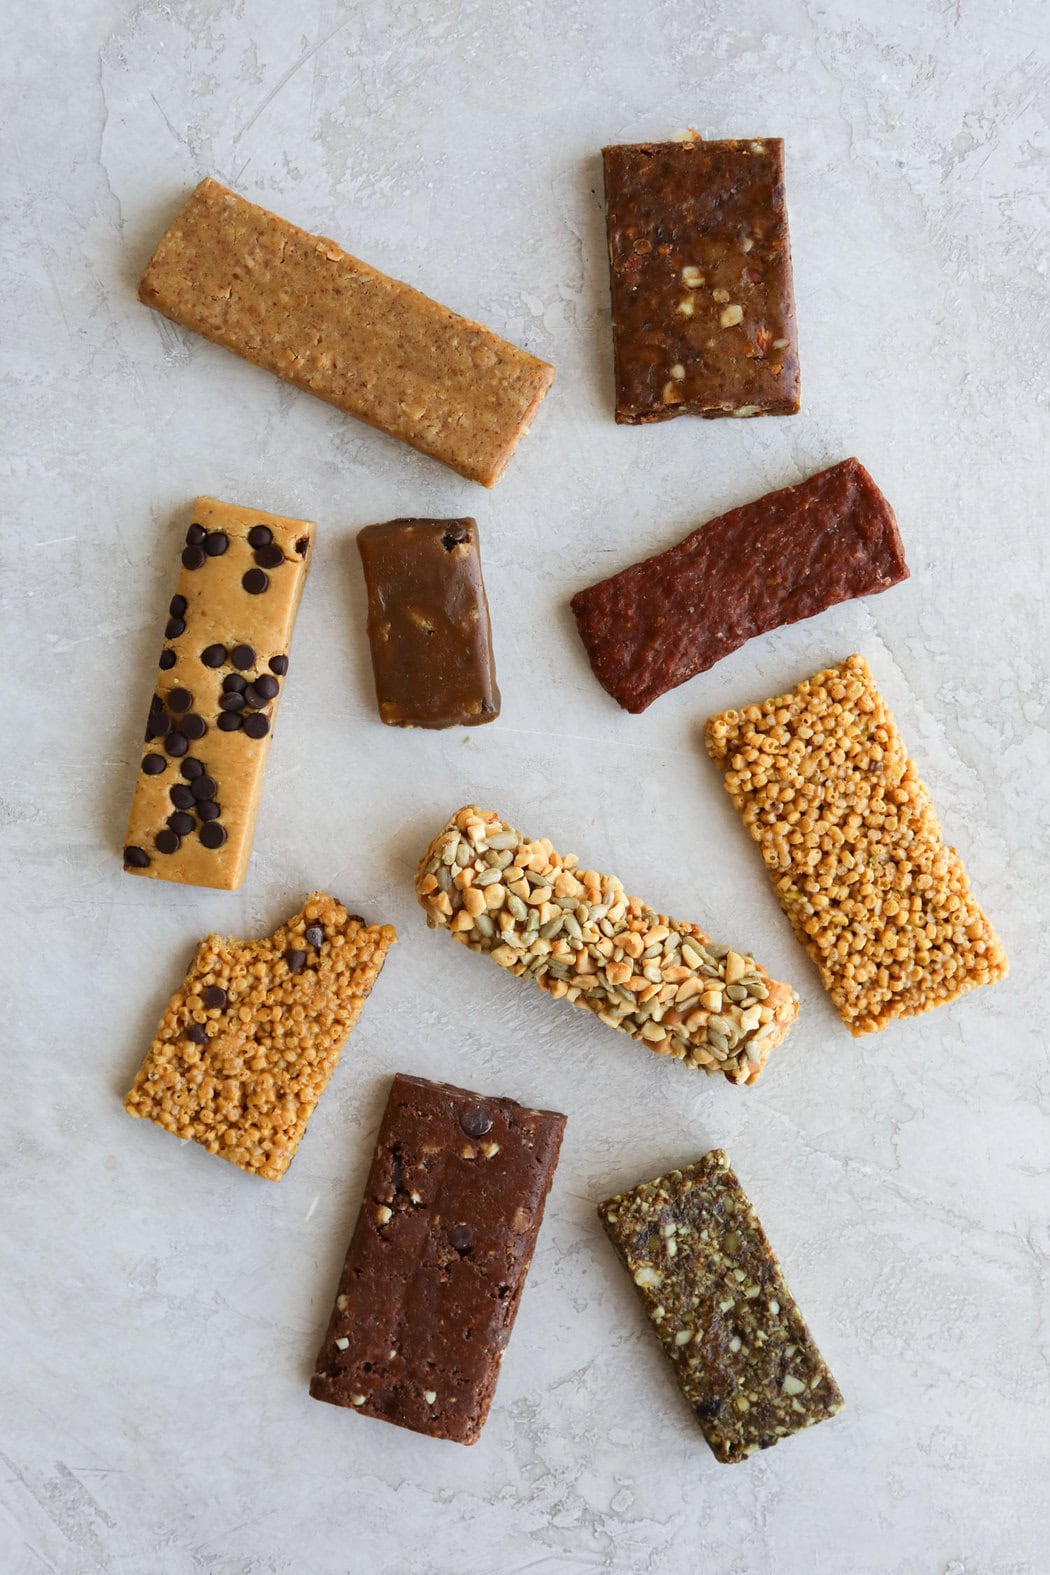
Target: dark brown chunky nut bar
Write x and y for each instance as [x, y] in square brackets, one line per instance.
[438, 1259]
[579, 936]
[248, 1042]
[713, 1289]
[222, 669]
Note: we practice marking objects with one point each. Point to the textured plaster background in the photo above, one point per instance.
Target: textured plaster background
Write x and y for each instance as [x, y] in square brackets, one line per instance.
[159, 1312]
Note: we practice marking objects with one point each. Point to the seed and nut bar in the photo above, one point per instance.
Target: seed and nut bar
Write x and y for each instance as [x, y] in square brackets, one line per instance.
[299, 306]
[703, 308]
[247, 1044]
[854, 849]
[211, 718]
[579, 936]
[438, 1259]
[712, 1287]
[428, 623]
[782, 558]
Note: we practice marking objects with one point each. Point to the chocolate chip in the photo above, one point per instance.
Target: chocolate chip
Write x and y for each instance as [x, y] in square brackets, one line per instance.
[179, 700]
[256, 725]
[355, 918]
[207, 809]
[266, 686]
[177, 607]
[260, 536]
[216, 543]
[278, 665]
[197, 1032]
[181, 823]
[269, 557]
[214, 997]
[204, 787]
[167, 659]
[176, 745]
[296, 960]
[193, 726]
[193, 558]
[461, 1237]
[195, 535]
[455, 536]
[167, 842]
[175, 627]
[241, 656]
[302, 546]
[232, 702]
[212, 835]
[191, 769]
[253, 698]
[475, 1123]
[255, 582]
[181, 796]
[135, 858]
[233, 684]
[706, 1410]
[153, 765]
[213, 655]
[314, 935]
[229, 722]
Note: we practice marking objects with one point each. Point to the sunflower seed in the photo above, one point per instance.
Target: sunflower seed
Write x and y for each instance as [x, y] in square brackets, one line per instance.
[503, 840]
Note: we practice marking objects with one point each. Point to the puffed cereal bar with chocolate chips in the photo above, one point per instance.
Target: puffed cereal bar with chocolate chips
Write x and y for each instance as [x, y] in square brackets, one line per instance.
[438, 1259]
[300, 307]
[718, 1302]
[854, 848]
[249, 1041]
[211, 718]
[579, 936]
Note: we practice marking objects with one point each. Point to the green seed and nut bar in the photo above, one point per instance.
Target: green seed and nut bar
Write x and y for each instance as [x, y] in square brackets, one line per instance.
[581, 938]
[712, 1287]
[855, 851]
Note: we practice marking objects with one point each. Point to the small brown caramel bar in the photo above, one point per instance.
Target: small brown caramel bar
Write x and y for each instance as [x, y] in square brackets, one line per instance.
[712, 1287]
[299, 306]
[786, 556]
[703, 308]
[428, 623]
[221, 674]
[881, 903]
[438, 1260]
[248, 1042]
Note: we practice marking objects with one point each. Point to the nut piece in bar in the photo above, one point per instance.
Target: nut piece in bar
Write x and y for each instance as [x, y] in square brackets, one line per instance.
[712, 1287]
[299, 306]
[855, 851]
[428, 623]
[221, 672]
[248, 1042]
[438, 1259]
[579, 936]
[703, 309]
[785, 557]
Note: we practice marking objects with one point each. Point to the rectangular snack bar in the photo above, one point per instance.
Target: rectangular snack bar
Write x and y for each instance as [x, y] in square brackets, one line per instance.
[712, 1287]
[703, 309]
[299, 306]
[438, 1259]
[247, 1044]
[428, 623]
[579, 936]
[856, 854]
[787, 556]
[211, 718]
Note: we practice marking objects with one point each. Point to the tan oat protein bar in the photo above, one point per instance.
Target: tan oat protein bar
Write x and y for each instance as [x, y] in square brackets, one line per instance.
[581, 938]
[855, 851]
[299, 306]
[248, 1042]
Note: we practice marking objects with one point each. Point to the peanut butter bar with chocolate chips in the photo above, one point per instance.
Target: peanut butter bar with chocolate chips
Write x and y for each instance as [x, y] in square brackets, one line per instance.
[579, 936]
[221, 672]
[248, 1042]
[703, 307]
[854, 848]
[718, 1302]
[299, 306]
